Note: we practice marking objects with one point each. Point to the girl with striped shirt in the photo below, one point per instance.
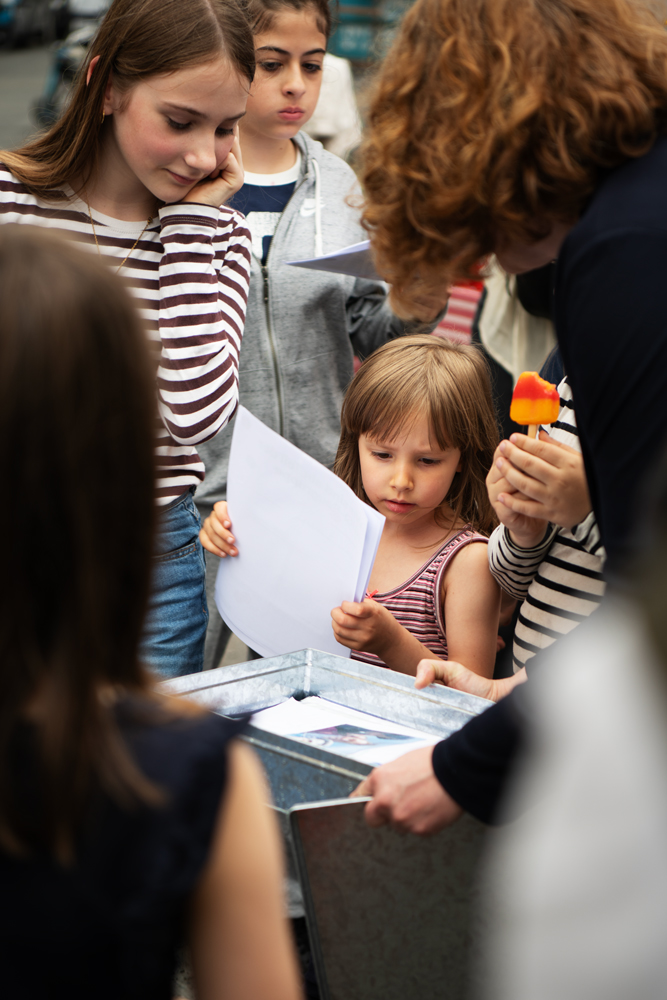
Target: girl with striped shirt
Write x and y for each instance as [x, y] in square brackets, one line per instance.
[552, 564]
[138, 170]
[546, 552]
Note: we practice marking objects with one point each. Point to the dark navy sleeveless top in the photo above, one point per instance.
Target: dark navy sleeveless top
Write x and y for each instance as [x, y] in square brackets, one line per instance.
[109, 925]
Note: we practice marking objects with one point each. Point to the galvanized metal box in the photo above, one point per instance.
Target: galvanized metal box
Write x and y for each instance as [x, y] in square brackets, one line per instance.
[300, 773]
[403, 903]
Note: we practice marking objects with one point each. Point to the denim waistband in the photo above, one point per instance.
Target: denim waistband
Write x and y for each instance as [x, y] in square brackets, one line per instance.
[190, 492]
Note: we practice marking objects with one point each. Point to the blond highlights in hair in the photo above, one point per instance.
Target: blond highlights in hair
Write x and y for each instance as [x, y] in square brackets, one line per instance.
[493, 119]
[423, 374]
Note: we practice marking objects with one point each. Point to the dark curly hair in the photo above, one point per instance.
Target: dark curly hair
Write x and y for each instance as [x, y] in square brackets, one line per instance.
[491, 120]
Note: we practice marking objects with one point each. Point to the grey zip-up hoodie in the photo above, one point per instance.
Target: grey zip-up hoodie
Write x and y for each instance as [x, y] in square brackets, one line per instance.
[303, 327]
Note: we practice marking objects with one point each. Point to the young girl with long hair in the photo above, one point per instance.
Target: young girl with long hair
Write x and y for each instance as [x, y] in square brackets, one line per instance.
[418, 438]
[139, 169]
[128, 820]
[303, 327]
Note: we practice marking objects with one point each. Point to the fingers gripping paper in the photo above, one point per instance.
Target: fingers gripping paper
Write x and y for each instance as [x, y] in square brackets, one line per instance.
[305, 543]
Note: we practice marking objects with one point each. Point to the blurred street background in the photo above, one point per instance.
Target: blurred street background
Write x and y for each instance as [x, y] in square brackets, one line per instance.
[22, 77]
[28, 28]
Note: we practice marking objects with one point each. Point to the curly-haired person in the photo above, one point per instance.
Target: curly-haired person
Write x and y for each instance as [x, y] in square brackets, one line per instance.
[533, 130]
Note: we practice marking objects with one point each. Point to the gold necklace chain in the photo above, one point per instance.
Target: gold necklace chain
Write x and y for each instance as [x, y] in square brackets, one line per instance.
[126, 258]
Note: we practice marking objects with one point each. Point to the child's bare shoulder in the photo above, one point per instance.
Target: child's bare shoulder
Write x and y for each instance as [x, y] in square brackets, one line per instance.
[468, 576]
[471, 558]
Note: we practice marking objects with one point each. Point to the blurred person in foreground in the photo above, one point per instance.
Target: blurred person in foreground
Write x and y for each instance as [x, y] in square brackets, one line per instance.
[535, 131]
[130, 822]
[576, 888]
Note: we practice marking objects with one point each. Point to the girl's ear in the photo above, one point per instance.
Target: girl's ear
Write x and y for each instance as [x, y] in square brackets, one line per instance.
[107, 106]
[93, 64]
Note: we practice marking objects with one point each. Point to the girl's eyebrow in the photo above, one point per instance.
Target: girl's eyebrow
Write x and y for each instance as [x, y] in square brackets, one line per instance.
[389, 444]
[200, 114]
[284, 52]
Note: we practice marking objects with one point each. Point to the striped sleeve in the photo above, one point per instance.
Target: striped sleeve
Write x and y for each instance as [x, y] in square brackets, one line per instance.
[512, 567]
[203, 291]
[587, 535]
[568, 585]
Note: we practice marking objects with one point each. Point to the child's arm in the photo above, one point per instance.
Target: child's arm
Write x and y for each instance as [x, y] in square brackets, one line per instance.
[371, 628]
[240, 943]
[371, 322]
[471, 608]
[514, 567]
[455, 675]
[215, 535]
[203, 278]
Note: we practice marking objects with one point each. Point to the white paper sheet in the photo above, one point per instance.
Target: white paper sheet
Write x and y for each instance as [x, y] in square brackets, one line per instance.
[355, 260]
[341, 730]
[305, 543]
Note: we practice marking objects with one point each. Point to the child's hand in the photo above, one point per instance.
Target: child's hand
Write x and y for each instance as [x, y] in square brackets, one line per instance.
[366, 626]
[454, 675]
[215, 535]
[547, 480]
[423, 308]
[219, 187]
[526, 531]
[427, 308]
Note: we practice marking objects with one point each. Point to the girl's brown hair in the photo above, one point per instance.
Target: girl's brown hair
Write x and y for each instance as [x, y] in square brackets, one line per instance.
[423, 374]
[263, 12]
[493, 119]
[77, 423]
[136, 40]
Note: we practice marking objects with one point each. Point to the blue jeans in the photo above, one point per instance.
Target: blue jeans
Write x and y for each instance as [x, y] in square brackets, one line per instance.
[175, 629]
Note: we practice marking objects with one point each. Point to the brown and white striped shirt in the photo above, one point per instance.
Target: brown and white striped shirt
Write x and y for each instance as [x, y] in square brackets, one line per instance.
[560, 580]
[189, 273]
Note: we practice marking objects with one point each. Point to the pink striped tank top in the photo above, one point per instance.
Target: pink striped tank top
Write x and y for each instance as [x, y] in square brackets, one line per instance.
[416, 603]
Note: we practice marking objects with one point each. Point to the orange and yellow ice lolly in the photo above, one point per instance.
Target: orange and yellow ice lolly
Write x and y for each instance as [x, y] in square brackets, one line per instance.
[534, 401]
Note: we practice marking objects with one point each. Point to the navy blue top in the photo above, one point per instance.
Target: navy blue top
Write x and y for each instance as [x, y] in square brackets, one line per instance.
[611, 322]
[552, 370]
[109, 926]
[270, 201]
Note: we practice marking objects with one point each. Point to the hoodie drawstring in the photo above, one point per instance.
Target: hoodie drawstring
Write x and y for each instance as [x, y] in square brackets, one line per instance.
[318, 210]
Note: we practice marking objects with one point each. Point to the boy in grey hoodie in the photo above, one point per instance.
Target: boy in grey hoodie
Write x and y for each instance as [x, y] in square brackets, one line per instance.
[302, 331]
[303, 327]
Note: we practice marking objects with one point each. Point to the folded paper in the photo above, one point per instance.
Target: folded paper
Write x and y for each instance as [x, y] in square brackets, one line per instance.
[305, 542]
